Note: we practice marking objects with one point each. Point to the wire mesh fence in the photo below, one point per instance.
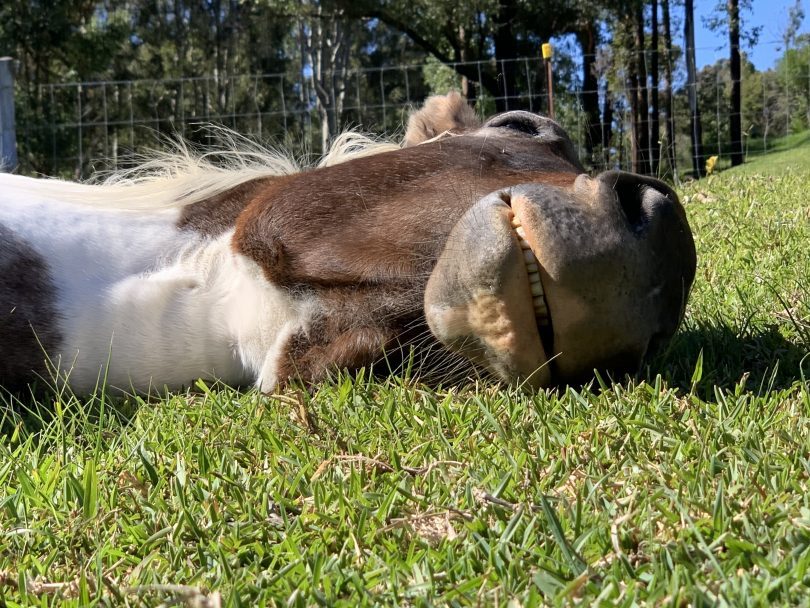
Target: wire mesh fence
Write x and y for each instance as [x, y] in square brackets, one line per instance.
[73, 129]
[81, 126]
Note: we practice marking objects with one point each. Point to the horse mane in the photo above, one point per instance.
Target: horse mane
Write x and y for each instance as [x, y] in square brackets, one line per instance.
[187, 174]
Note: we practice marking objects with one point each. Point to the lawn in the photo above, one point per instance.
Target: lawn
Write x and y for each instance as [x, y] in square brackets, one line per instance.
[686, 486]
[786, 153]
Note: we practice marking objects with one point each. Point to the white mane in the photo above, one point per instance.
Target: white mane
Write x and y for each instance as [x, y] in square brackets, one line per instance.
[186, 175]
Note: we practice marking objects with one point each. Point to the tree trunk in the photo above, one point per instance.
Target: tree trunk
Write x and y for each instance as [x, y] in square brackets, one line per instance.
[607, 126]
[691, 87]
[466, 90]
[327, 49]
[505, 55]
[670, 147]
[766, 128]
[587, 38]
[655, 127]
[641, 114]
[736, 84]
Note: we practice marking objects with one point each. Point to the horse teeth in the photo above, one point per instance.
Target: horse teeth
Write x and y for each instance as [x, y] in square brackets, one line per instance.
[541, 315]
[533, 270]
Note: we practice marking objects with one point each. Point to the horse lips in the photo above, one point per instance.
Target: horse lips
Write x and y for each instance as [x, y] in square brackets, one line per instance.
[479, 299]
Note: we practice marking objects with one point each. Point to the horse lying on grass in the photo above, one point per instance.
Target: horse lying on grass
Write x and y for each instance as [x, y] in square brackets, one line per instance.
[486, 240]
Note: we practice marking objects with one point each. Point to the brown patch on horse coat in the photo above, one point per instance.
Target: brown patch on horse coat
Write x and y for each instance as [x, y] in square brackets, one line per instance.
[352, 327]
[381, 218]
[28, 318]
[363, 326]
[440, 114]
[217, 214]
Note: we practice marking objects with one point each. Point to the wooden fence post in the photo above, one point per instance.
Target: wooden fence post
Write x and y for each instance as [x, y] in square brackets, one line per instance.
[8, 137]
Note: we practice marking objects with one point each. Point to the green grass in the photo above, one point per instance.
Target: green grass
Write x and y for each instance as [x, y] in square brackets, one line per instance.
[787, 153]
[784, 154]
[688, 488]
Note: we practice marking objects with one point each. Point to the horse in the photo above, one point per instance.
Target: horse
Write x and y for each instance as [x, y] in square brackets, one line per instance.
[473, 245]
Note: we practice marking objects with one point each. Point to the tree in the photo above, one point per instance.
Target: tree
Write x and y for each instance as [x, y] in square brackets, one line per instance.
[587, 36]
[655, 126]
[696, 130]
[630, 35]
[587, 28]
[642, 97]
[713, 95]
[795, 18]
[793, 69]
[326, 38]
[54, 42]
[628, 73]
[603, 66]
[493, 32]
[668, 100]
[728, 14]
[735, 119]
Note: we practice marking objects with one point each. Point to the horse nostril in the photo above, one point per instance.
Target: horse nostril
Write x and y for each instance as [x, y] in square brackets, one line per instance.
[630, 195]
[506, 197]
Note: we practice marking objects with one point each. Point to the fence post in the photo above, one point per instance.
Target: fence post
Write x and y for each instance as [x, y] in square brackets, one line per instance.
[8, 138]
[547, 52]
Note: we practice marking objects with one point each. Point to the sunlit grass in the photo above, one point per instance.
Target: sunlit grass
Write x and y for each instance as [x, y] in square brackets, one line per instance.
[688, 487]
[784, 154]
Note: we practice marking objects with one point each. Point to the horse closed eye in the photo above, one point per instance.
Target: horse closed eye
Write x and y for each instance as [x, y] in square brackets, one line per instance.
[521, 124]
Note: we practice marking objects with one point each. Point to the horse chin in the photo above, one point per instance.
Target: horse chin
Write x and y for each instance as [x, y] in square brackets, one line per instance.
[484, 297]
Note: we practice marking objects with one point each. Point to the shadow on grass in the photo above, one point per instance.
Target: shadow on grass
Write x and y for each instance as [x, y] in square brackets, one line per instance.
[764, 355]
[36, 407]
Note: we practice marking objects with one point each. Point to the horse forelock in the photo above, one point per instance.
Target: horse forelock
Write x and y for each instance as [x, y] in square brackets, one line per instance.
[188, 174]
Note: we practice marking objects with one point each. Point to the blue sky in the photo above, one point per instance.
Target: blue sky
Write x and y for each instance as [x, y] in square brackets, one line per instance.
[772, 15]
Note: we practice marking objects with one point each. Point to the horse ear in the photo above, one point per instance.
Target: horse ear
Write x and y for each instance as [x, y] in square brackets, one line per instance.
[440, 114]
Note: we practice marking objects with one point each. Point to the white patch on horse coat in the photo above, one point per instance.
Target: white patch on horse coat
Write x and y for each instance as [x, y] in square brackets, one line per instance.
[184, 176]
[144, 304]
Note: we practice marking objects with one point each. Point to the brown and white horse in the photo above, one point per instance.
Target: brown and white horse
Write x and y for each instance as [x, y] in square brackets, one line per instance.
[485, 240]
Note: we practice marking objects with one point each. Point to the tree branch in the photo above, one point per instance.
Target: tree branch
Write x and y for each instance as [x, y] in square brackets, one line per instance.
[489, 82]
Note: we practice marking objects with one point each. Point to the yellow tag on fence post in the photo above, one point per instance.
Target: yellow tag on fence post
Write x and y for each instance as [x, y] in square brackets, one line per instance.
[547, 52]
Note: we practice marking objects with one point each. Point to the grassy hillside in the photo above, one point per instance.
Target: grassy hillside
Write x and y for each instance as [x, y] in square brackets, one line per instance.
[784, 154]
[688, 485]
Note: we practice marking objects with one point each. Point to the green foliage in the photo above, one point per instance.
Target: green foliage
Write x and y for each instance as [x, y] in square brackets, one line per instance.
[439, 78]
[793, 70]
[774, 102]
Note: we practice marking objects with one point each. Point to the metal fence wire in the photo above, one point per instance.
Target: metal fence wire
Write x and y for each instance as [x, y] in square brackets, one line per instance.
[74, 129]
